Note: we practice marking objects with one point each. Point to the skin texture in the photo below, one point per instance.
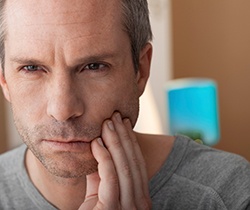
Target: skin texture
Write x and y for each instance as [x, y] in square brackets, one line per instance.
[70, 80]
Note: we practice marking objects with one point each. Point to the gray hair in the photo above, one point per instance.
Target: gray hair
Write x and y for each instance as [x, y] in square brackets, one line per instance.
[137, 25]
[135, 20]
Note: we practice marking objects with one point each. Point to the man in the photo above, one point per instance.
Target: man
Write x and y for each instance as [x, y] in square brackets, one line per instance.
[73, 72]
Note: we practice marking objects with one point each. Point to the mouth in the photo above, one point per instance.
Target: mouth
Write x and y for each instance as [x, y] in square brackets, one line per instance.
[67, 145]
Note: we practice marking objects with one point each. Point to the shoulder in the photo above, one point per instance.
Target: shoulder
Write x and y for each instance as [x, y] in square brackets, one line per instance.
[223, 174]
[11, 169]
[11, 160]
[218, 164]
[193, 171]
[209, 165]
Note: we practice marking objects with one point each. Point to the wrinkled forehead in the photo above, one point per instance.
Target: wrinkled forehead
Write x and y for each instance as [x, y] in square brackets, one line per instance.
[56, 13]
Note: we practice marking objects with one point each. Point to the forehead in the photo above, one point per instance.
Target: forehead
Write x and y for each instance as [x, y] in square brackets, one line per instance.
[42, 16]
[59, 28]
[50, 8]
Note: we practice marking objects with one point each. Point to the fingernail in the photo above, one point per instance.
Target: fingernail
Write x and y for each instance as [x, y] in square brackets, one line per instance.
[126, 121]
[111, 125]
[118, 117]
[99, 140]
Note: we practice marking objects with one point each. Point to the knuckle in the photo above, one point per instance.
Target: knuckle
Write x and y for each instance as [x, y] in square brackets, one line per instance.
[139, 163]
[116, 144]
[134, 158]
[142, 162]
[126, 136]
[113, 179]
[145, 204]
[134, 141]
[101, 206]
[136, 162]
[133, 207]
[126, 170]
[106, 158]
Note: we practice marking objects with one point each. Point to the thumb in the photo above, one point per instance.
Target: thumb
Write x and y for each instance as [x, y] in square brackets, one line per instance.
[93, 181]
[89, 205]
[91, 197]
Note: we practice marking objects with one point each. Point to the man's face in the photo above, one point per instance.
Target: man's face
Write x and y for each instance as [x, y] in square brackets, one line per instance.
[68, 67]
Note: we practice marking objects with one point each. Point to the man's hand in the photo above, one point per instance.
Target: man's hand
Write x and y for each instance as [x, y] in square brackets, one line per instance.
[121, 181]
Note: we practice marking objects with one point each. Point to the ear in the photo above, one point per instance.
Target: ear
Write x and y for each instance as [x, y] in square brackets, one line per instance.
[4, 85]
[144, 67]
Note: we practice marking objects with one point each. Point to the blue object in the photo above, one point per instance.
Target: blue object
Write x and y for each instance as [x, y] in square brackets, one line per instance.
[193, 109]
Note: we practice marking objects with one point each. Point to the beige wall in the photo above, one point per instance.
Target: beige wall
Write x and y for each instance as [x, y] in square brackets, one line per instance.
[211, 38]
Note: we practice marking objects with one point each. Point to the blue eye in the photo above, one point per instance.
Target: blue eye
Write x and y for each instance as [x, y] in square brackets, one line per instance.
[32, 68]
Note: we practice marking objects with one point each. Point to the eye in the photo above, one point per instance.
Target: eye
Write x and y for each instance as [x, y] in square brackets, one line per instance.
[95, 66]
[31, 68]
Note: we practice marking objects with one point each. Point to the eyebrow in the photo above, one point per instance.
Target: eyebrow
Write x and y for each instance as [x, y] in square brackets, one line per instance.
[23, 60]
[86, 59]
[97, 57]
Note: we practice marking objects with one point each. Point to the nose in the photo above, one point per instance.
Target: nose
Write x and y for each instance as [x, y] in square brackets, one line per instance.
[64, 102]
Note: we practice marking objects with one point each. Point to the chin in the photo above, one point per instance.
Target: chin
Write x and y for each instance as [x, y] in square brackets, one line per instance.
[66, 171]
[70, 173]
[69, 165]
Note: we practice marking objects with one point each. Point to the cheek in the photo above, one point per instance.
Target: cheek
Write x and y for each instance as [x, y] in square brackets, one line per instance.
[26, 102]
[115, 95]
[129, 106]
[122, 98]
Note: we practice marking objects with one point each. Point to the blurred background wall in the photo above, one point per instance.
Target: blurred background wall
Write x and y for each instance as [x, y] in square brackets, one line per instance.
[194, 38]
[152, 118]
[211, 38]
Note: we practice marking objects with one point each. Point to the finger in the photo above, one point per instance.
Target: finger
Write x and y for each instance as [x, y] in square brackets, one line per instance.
[105, 182]
[92, 182]
[135, 159]
[131, 156]
[114, 146]
[140, 158]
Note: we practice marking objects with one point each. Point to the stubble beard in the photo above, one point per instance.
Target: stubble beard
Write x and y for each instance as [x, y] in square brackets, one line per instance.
[68, 164]
[65, 164]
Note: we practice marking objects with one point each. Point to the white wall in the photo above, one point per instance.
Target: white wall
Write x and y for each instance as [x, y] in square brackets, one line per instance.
[152, 118]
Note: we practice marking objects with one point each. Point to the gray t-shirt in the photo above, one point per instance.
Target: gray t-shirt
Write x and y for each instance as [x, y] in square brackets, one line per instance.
[193, 177]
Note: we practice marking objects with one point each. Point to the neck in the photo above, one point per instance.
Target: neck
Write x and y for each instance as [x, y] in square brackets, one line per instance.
[64, 193]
